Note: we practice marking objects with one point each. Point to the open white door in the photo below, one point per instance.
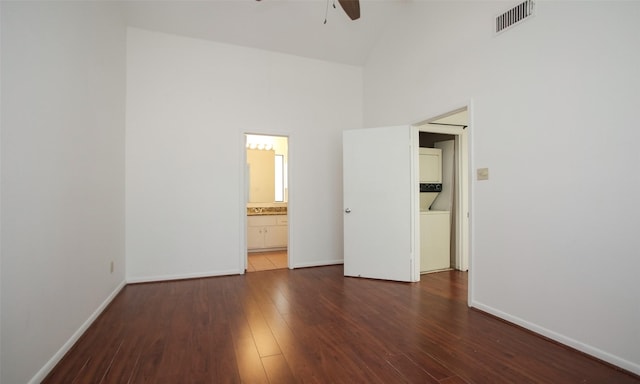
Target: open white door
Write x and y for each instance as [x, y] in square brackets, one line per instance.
[378, 207]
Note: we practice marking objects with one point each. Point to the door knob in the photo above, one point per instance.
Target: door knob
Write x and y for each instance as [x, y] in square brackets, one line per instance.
[348, 210]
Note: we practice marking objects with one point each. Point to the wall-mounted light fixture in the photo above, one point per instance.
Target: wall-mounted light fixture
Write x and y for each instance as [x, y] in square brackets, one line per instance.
[259, 142]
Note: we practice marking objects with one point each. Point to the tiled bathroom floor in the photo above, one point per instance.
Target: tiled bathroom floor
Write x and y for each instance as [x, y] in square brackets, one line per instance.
[263, 261]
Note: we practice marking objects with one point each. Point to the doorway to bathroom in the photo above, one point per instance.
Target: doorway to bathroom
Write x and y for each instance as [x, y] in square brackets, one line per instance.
[267, 195]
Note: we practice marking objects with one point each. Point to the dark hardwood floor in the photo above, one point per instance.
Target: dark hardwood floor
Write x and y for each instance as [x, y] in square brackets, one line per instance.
[314, 326]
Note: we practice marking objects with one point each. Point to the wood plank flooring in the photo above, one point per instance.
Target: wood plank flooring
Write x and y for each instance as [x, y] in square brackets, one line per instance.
[314, 326]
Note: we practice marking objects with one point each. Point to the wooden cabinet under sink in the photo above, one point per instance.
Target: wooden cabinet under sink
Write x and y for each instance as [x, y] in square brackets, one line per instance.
[267, 232]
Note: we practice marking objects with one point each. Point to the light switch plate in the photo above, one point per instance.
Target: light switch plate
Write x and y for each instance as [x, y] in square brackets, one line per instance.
[482, 173]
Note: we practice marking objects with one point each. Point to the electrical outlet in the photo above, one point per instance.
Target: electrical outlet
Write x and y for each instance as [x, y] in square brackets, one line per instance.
[112, 267]
[482, 173]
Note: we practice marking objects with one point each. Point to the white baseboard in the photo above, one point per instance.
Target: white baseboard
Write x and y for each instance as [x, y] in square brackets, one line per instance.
[44, 371]
[320, 263]
[151, 279]
[582, 347]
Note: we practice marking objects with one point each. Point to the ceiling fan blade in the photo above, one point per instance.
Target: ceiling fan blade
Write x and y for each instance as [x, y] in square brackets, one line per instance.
[351, 8]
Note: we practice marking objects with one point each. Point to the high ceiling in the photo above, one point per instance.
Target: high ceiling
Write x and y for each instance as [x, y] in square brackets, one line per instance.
[288, 26]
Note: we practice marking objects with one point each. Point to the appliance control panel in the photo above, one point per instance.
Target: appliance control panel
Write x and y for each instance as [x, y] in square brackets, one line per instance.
[430, 187]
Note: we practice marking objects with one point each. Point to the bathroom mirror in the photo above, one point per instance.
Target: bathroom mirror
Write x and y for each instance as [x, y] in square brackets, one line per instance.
[266, 168]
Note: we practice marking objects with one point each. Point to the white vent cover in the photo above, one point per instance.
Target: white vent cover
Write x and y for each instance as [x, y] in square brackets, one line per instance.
[514, 16]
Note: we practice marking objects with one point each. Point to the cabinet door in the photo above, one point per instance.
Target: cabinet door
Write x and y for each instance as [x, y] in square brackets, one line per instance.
[255, 237]
[276, 236]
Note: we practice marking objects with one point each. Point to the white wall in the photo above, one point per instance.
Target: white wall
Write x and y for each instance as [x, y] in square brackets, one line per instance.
[189, 103]
[1, 192]
[555, 244]
[63, 88]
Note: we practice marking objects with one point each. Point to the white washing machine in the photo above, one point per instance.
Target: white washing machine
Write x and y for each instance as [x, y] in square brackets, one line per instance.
[435, 239]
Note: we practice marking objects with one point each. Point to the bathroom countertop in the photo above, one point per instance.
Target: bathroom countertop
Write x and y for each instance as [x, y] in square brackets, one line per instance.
[266, 211]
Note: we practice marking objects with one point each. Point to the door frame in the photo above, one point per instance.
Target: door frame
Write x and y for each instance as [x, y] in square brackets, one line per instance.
[463, 158]
[244, 192]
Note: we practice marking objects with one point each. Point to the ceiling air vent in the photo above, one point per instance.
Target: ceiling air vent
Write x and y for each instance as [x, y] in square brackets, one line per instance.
[515, 15]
